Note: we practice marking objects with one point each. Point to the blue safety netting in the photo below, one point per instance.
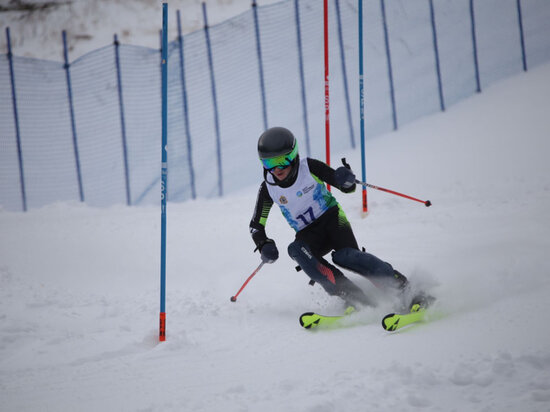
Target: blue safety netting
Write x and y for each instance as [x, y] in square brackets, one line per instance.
[219, 107]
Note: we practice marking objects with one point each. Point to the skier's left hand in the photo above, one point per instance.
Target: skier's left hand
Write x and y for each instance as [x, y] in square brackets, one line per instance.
[344, 178]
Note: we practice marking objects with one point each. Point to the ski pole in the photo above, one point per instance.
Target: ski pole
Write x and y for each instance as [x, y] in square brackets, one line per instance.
[234, 298]
[426, 202]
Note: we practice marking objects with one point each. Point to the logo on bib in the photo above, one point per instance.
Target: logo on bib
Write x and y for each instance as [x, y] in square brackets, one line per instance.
[282, 200]
[309, 188]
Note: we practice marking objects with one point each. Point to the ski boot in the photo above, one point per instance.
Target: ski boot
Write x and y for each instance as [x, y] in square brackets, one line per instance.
[352, 295]
[420, 300]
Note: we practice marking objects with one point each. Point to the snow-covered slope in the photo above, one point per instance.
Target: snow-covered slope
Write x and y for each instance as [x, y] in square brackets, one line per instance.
[91, 24]
[79, 287]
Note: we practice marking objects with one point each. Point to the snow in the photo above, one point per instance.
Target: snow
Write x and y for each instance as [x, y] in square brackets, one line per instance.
[79, 293]
[79, 287]
[91, 24]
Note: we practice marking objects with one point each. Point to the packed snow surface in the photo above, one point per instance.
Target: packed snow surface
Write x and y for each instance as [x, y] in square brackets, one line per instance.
[80, 287]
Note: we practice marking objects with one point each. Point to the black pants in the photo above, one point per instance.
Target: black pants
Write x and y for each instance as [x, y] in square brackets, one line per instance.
[332, 231]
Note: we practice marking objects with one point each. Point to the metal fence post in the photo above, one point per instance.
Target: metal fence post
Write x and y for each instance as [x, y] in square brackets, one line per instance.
[214, 100]
[344, 73]
[16, 121]
[301, 70]
[521, 36]
[260, 62]
[474, 40]
[71, 111]
[186, 110]
[436, 53]
[122, 121]
[390, 71]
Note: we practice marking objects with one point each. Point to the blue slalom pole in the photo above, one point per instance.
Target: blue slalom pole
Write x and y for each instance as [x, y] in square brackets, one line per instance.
[362, 106]
[164, 173]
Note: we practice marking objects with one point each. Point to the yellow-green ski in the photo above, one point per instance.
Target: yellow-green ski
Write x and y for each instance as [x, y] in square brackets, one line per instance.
[395, 321]
[311, 320]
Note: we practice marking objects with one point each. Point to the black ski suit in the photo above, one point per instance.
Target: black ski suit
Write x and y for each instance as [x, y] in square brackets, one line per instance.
[316, 236]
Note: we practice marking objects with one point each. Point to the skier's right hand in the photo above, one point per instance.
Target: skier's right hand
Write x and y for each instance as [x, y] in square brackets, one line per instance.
[268, 251]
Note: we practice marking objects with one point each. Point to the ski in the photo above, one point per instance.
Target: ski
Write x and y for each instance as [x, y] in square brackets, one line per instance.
[311, 320]
[390, 322]
[395, 321]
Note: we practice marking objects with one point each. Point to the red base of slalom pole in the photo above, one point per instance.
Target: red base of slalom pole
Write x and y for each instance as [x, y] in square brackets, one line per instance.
[162, 328]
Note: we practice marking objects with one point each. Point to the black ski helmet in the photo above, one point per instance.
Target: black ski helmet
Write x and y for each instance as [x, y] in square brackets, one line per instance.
[277, 147]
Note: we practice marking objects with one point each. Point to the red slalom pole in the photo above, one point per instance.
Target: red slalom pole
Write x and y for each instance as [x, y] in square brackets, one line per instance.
[327, 100]
[234, 298]
[426, 202]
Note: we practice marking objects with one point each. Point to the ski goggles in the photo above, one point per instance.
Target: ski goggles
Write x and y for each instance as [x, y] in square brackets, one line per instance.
[282, 161]
[279, 162]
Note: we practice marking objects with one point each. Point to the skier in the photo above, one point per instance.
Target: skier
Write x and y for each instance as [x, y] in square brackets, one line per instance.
[321, 226]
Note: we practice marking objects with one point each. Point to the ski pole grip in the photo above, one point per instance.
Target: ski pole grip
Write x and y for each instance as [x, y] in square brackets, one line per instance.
[346, 164]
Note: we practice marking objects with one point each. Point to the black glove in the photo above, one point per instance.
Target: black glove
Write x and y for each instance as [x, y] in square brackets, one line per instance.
[269, 251]
[344, 178]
